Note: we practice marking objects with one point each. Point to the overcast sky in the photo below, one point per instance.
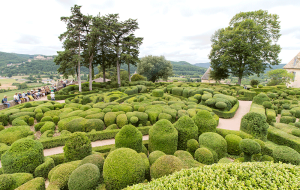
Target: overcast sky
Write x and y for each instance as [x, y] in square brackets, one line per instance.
[178, 29]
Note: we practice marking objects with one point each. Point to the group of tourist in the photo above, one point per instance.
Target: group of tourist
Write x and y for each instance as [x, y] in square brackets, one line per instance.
[28, 96]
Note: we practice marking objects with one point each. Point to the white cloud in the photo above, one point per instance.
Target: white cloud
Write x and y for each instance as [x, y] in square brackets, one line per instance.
[178, 29]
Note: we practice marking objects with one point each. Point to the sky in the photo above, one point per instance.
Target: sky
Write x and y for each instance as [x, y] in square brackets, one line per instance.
[180, 30]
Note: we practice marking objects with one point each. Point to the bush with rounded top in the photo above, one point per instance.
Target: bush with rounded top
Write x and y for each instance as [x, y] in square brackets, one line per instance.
[95, 159]
[267, 158]
[91, 124]
[55, 119]
[224, 161]
[123, 167]
[153, 156]
[39, 116]
[6, 181]
[221, 105]
[256, 125]
[186, 130]
[233, 144]
[31, 121]
[205, 122]
[59, 176]
[4, 119]
[163, 136]
[260, 99]
[84, 177]
[165, 166]
[296, 132]
[204, 156]
[38, 126]
[76, 125]
[210, 102]
[48, 126]
[192, 145]
[18, 122]
[46, 118]
[215, 142]
[43, 169]
[111, 127]
[20, 114]
[129, 137]
[249, 147]
[177, 91]
[286, 154]
[11, 134]
[165, 116]
[187, 159]
[158, 93]
[77, 147]
[287, 119]
[36, 184]
[110, 118]
[122, 120]
[24, 155]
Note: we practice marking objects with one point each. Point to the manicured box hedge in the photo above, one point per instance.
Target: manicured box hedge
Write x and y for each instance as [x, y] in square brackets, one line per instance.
[224, 132]
[227, 114]
[282, 138]
[93, 136]
[257, 108]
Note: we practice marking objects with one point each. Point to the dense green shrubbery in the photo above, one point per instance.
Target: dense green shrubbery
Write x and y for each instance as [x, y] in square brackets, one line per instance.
[153, 156]
[204, 156]
[286, 154]
[192, 146]
[186, 130]
[187, 159]
[77, 147]
[157, 93]
[36, 184]
[84, 177]
[95, 159]
[24, 155]
[260, 99]
[215, 142]
[256, 125]
[49, 125]
[165, 165]
[43, 169]
[129, 137]
[287, 119]
[233, 144]
[249, 147]
[123, 167]
[205, 122]
[59, 176]
[163, 136]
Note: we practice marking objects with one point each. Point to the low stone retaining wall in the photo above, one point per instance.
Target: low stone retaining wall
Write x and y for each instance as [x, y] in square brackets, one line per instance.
[12, 103]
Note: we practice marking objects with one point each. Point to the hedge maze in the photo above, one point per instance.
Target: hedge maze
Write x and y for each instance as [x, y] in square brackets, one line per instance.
[181, 120]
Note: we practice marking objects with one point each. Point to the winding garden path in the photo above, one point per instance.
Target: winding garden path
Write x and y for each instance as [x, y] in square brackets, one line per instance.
[235, 122]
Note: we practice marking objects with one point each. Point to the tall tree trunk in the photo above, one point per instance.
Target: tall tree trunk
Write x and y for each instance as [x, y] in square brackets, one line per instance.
[118, 68]
[93, 72]
[240, 81]
[79, 79]
[90, 73]
[103, 69]
[129, 77]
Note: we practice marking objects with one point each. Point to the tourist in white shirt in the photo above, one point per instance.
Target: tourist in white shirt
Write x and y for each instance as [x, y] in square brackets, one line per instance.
[25, 96]
[17, 99]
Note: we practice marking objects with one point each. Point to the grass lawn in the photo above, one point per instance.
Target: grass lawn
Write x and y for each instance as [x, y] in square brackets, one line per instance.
[10, 94]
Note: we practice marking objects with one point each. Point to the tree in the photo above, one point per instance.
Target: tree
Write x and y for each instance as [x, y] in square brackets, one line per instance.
[279, 76]
[72, 41]
[155, 67]
[137, 77]
[248, 46]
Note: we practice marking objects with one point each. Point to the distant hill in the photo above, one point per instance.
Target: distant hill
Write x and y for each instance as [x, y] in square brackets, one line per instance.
[6, 58]
[204, 65]
[184, 68]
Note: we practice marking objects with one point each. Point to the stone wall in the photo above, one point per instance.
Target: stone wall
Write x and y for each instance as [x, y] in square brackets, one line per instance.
[12, 103]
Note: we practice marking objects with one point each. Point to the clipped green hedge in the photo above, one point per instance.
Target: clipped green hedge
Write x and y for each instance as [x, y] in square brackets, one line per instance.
[165, 165]
[259, 175]
[34, 184]
[186, 130]
[205, 122]
[286, 154]
[227, 114]
[215, 142]
[233, 144]
[129, 137]
[43, 169]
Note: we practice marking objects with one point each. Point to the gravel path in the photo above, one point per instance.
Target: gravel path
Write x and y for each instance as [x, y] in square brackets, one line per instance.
[235, 122]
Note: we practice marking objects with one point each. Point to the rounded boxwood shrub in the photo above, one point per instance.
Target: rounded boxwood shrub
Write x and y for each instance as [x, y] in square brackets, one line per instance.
[286, 154]
[11, 134]
[224, 161]
[215, 142]
[110, 118]
[77, 147]
[286, 106]
[296, 132]
[287, 119]
[249, 147]
[59, 176]
[111, 127]
[192, 145]
[24, 155]
[163, 136]
[260, 99]
[4, 119]
[134, 120]
[18, 122]
[6, 181]
[43, 169]
[210, 102]
[165, 116]
[205, 122]
[55, 119]
[48, 126]
[84, 177]
[256, 125]
[233, 144]
[267, 158]
[158, 93]
[267, 104]
[36, 183]
[38, 126]
[186, 130]
[187, 159]
[122, 120]
[165, 166]
[90, 124]
[31, 121]
[221, 105]
[95, 159]
[141, 109]
[129, 137]
[39, 116]
[123, 167]
[46, 118]
[204, 156]
[153, 156]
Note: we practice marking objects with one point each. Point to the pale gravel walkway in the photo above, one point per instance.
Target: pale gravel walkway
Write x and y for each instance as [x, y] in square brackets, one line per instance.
[235, 122]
